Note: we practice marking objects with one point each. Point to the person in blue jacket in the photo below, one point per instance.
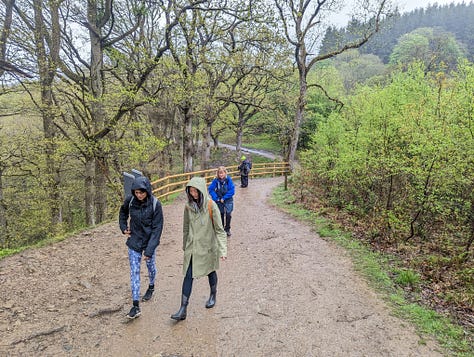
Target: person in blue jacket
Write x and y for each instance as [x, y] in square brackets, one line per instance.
[222, 191]
[141, 220]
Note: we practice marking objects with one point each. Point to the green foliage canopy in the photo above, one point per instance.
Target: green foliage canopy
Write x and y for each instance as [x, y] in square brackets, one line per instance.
[399, 159]
[437, 49]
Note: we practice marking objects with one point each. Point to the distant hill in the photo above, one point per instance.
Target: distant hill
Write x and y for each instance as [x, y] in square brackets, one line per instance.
[455, 18]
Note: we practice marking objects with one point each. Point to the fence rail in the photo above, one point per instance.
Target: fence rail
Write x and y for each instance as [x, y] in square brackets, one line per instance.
[166, 186]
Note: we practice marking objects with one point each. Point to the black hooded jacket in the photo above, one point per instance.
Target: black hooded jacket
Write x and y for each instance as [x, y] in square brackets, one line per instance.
[146, 222]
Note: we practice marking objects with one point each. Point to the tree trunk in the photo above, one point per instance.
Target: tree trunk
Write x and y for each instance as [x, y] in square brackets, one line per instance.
[6, 30]
[101, 174]
[98, 113]
[89, 191]
[47, 64]
[240, 129]
[238, 140]
[299, 115]
[188, 145]
[470, 241]
[215, 140]
[206, 147]
[3, 217]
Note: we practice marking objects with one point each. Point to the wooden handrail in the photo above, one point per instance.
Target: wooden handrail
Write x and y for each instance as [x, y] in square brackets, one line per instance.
[169, 185]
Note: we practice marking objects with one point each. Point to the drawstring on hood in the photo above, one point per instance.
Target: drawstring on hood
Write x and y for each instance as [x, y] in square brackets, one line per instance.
[194, 206]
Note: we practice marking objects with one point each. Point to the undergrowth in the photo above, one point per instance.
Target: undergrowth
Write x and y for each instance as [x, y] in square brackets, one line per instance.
[398, 285]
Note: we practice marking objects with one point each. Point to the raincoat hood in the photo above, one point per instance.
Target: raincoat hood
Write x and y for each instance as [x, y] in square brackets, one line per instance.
[141, 183]
[198, 183]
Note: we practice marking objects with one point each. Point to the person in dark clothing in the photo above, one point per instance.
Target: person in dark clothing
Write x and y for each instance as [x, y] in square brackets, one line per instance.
[141, 220]
[244, 168]
[222, 192]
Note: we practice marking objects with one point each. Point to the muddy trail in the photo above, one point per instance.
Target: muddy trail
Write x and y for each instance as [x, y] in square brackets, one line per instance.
[283, 291]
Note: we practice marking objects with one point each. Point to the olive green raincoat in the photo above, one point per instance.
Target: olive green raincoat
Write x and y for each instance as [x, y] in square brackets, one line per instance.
[204, 239]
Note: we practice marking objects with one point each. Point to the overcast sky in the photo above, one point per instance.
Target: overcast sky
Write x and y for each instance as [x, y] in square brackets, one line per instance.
[408, 5]
[404, 6]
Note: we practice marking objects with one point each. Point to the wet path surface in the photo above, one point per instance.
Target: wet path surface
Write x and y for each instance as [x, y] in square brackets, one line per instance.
[283, 291]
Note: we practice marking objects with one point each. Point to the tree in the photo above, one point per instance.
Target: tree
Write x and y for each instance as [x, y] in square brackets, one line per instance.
[437, 49]
[303, 24]
[45, 45]
[261, 67]
[20, 158]
[355, 68]
[218, 48]
[89, 80]
[3, 217]
[5, 65]
[250, 97]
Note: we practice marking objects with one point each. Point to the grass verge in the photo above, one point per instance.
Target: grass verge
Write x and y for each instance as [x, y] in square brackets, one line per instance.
[51, 240]
[42, 243]
[379, 269]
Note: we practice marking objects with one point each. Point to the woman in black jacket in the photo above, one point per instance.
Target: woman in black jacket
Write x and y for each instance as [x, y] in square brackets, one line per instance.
[141, 220]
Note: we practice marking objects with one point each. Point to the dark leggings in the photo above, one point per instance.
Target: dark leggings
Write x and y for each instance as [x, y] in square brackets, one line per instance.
[226, 218]
[188, 280]
[244, 179]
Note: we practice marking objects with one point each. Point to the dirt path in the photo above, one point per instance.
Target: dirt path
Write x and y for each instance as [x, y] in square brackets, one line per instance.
[282, 292]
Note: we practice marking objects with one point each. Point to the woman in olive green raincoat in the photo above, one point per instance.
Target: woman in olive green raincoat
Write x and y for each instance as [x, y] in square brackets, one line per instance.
[204, 242]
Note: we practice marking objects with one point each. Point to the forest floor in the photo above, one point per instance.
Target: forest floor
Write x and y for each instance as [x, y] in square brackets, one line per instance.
[283, 291]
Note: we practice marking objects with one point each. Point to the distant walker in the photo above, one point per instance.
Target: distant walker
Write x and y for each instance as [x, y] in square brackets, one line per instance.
[244, 168]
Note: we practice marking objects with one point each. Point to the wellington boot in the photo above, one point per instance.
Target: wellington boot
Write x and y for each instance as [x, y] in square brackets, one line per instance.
[212, 297]
[181, 313]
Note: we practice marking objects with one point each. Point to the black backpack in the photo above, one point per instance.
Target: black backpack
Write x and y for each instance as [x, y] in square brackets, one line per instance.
[246, 167]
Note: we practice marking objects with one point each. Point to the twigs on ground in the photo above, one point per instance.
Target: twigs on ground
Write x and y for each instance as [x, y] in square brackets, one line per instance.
[39, 334]
[106, 311]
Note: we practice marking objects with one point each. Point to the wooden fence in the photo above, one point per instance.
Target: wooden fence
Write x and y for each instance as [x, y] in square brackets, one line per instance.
[166, 186]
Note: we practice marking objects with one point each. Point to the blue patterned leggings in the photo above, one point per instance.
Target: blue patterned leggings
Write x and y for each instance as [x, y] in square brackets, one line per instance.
[135, 259]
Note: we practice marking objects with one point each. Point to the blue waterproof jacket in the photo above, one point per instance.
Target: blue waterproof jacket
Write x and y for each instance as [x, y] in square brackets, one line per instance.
[225, 189]
[145, 219]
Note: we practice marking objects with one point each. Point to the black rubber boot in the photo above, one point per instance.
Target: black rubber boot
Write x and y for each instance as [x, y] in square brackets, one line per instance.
[181, 314]
[212, 297]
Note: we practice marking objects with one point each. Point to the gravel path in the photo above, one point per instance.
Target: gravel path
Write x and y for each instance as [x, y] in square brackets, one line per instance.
[283, 291]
